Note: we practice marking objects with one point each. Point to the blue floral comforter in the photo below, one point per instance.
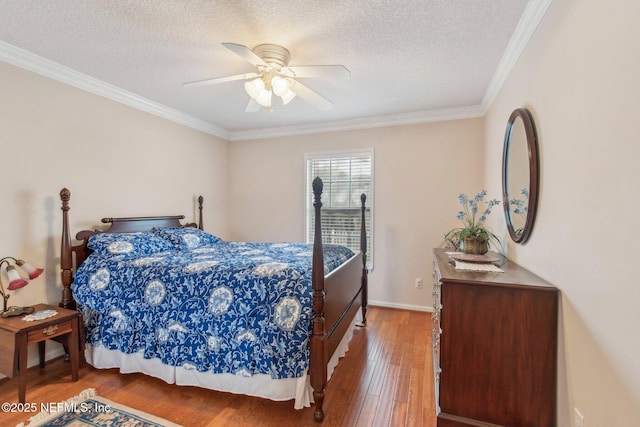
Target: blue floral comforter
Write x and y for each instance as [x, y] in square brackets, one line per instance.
[226, 307]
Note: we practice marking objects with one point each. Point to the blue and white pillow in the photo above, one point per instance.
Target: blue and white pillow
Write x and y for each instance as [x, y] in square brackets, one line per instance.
[186, 238]
[128, 245]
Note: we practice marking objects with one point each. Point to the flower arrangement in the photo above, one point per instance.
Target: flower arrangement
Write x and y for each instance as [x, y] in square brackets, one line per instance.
[473, 221]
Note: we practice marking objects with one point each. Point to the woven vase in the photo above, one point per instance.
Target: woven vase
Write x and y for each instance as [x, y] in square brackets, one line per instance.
[475, 245]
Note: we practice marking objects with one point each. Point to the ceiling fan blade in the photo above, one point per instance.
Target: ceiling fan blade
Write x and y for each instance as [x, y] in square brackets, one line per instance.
[222, 80]
[252, 106]
[321, 71]
[313, 98]
[246, 54]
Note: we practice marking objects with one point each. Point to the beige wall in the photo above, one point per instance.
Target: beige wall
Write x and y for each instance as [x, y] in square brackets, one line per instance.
[117, 161]
[579, 77]
[419, 172]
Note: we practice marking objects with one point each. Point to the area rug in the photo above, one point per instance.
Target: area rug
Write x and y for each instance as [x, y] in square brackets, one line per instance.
[87, 409]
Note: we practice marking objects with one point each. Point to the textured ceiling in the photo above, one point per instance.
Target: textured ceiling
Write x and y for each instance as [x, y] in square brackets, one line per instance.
[409, 59]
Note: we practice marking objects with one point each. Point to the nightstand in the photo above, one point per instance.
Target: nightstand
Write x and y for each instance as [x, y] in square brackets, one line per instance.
[16, 334]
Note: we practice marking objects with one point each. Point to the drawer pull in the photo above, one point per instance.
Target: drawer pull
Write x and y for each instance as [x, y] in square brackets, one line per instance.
[50, 330]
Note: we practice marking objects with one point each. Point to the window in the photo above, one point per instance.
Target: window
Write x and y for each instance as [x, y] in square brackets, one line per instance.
[345, 177]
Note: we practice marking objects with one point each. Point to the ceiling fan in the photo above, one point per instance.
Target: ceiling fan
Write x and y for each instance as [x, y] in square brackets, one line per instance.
[274, 76]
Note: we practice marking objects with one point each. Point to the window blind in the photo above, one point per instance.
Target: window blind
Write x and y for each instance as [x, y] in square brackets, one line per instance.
[345, 177]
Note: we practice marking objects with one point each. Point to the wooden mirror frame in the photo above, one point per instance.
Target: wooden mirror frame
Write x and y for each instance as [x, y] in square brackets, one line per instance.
[532, 148]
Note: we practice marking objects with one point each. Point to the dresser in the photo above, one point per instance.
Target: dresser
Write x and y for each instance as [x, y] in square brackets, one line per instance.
[494, 346]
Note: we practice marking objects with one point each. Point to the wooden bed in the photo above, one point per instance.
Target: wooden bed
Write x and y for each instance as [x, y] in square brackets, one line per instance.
[336, 296]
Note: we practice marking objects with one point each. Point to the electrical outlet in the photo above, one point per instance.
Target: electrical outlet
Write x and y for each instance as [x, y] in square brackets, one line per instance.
[578, 419]
[418, 282]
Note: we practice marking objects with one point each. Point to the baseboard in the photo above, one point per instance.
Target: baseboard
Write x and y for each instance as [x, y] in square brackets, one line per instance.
[400, 306]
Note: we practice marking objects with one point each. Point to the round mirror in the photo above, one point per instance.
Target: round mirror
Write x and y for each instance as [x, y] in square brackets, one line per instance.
[520, 175]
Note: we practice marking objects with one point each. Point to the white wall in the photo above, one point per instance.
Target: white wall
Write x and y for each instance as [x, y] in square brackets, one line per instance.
[419, 172]
[579, 78]
[117, 161]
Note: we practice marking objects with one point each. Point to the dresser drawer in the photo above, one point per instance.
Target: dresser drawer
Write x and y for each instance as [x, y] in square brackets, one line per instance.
[50, 331]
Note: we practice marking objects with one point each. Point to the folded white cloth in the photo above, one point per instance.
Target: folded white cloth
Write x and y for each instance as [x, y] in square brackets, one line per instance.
[474, 266]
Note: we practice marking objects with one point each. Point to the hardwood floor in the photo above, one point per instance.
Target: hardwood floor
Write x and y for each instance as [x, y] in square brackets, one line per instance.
[386, 379]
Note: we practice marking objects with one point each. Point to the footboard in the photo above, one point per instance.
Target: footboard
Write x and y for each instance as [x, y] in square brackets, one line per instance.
[335, 301]
[342, 289]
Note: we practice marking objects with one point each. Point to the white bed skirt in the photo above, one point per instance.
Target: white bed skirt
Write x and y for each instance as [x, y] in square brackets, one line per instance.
[259, 385]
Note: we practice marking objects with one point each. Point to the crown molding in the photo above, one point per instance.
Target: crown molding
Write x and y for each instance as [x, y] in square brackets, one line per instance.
[531, 17]
[363, 123]
[37, 64]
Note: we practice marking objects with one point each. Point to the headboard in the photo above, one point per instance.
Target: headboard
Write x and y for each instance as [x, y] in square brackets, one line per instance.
[118, 225]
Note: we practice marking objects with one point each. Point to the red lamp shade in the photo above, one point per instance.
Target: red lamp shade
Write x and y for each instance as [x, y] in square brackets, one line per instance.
[16, 282]
[29, 269]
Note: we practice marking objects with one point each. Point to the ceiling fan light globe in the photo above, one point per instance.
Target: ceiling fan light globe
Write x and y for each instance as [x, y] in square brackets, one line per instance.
[264, 98]
[254, 87]
[288, 97]
[280, 86]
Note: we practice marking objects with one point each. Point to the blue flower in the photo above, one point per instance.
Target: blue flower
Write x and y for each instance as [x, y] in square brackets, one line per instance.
[520, 206]
[471, 208]
[478, 197]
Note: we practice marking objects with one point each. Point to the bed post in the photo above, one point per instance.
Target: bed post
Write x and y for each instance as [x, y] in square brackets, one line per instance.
[66, 257]
[363, 248]
[200, 222]
[318, 360]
